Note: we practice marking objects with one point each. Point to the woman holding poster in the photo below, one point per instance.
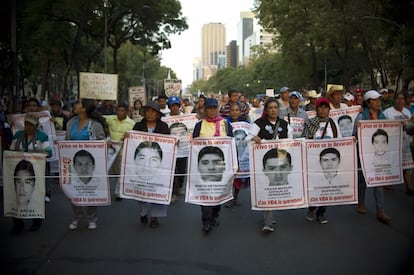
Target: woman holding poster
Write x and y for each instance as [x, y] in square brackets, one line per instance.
[242, 152]
[84, 126]
[372, 112]
[152, 123]
[270, 126]
[321, 127]
[212, 125]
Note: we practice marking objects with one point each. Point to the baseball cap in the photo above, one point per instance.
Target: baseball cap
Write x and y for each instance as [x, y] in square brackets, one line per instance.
[284, 89]
[210, 102]
[295, 93]
[371, 94]
[31, 118]
[322, 100]
[383, 91]
[349, 97]
[173, 100]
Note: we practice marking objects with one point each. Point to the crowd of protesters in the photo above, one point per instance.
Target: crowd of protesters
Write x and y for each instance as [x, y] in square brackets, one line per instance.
[270, 118]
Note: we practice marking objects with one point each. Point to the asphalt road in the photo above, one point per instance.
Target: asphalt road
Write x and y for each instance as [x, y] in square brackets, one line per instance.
[349, 244]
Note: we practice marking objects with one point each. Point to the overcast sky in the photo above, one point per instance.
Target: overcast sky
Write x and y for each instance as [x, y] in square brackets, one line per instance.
[187, 46]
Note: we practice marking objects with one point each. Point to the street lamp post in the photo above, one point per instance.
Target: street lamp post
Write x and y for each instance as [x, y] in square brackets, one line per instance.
[402, 29]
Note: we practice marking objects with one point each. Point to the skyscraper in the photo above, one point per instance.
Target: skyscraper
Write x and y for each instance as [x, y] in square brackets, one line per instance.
[213, 47]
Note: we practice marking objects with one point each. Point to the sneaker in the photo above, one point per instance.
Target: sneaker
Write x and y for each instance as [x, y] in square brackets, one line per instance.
[322, 220]
[274, 222]
[73, 225]
[154, 222]
[47, 199]
[92, 226]
[310, 216]
[207, 227]
[144, 219]
[268, 228]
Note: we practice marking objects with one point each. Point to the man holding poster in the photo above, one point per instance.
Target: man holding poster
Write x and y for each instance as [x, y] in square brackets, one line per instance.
[373, 112]
[212, 126]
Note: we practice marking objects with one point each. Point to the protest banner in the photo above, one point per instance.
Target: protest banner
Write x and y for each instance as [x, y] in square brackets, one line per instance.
[137, 92]
[24, 184]
[172, 87]
[276, 175]
[98, 86]
[345, 119]
[148, 165]
[213, 162]
[331, 171]
[84, 172]
[240, 131]
[46, 125]
[54, 165]
[182, 127]
[380, 145]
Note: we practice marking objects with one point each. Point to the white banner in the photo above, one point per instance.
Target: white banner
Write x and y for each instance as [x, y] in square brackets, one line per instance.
[380, 151]
[213, 162]
[277, 180]
[98, 86]
[84, 172]
[24, 184]
[331, 171]
[137, 92]
[172, 87]
[46, 125]
[182, 127]
[148, 165]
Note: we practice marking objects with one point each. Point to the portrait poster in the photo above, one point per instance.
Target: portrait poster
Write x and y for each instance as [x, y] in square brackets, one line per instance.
[407, 158]
[24, 194]
[331, 171]
[276, 175]
[182, 127]
[84, 172]
[311, 114]
[54, 165]
[240, 131]
[147, 168]
[297, 124]
[98, 86]
[112, 150]
[213, 162]
[137, 92]
[380, 145]
[46, 125]
[345, 119]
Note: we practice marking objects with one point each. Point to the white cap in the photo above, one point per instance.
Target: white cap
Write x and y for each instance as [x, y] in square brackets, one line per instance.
[371, 94]
[349, 97]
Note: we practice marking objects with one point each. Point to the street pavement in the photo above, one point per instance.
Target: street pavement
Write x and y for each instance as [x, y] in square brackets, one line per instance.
[349, 244]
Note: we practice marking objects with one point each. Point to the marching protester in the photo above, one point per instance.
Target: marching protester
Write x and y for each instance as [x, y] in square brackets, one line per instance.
[200, 108]
[233, 98]
[58, 117]
[320, 127]
[349, 99]
[212, 125]
[239, 135]
[313, 97]
[268, 127]
[181, 162]
[284, 98]
[30, 139]
[152, 123]
[118, 125]
[162, 102]
[136, 113]
[86, 125]
[335, 94]
[372, 112]
[399, 112]
[294, 111]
